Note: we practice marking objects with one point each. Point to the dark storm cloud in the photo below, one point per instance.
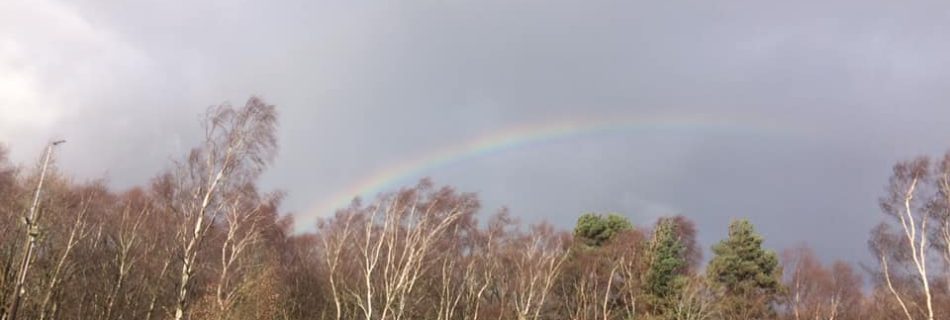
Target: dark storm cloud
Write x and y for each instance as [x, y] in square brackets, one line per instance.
[362, 86]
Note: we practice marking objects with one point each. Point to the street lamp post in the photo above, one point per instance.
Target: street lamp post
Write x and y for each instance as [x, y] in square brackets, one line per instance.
[32, 233]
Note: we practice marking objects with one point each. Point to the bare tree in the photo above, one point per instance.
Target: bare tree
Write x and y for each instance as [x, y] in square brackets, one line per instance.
[409, 230]
[125, 233]
[695, 301]
[817, 292]
[888, 248]
[238, 145]
[245, 218]
[460, 254]
[78, 231]
[534, 261]
[483, 265]
[903, 205]
[591, 291]
[394, 243]
[940, 212]
[11, 190]
[335, 234]
[631, 248]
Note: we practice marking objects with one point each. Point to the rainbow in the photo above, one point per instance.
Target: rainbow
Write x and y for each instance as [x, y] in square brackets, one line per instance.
[521, 135]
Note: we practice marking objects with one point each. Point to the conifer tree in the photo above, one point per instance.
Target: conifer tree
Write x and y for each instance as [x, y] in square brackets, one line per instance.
[666, 274]
[747, 277]
[594, 229]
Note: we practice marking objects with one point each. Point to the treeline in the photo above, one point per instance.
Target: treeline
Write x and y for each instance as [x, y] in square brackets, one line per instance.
[201, 241]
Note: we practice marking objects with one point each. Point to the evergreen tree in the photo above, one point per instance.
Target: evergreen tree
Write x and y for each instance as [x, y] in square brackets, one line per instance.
[666, 274]
[594, 229]
[747, 276]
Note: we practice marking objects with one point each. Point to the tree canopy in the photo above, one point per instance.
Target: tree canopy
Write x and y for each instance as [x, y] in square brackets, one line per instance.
[595, 229]
[747, 276]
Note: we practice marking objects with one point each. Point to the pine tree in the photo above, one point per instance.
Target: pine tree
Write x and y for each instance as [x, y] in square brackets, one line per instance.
[666, 275]
[747, 276]
[594, 229]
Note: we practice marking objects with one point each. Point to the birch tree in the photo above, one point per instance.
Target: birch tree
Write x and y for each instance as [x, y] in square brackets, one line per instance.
[246, 216]
[904, 204]
[78, 230]
[125, 232]
[818, 292]
[11, 191]
[238, 144]
[534, 262]
[394, 242]
[940, 212]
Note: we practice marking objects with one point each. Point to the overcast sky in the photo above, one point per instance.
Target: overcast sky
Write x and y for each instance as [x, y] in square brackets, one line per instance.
[850, 87]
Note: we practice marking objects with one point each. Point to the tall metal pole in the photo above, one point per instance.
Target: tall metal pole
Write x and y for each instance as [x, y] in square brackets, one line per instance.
[32, 232]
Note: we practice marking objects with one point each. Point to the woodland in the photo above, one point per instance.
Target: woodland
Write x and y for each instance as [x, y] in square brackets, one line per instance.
[201, 240]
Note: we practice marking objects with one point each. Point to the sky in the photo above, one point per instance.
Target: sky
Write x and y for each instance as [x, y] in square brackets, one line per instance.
[788, 113]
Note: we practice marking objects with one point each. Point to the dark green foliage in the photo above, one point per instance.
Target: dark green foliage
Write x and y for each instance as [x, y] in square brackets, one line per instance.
[666, 275]
[594, 229]
[747, 276]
